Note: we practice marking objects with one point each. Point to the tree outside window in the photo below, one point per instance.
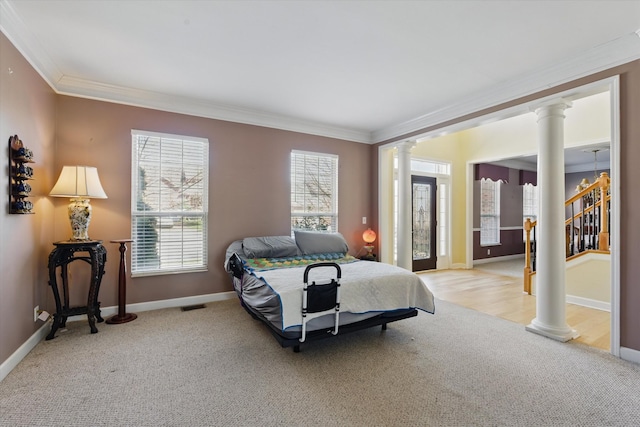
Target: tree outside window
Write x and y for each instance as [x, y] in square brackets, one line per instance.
[169, 203]
[314, 191]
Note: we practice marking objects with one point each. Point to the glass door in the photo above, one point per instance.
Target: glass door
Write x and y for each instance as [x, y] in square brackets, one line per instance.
[423, 190]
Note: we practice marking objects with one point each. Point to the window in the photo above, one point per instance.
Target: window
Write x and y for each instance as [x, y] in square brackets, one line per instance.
[169, 199]
[489, 212]
[529, 205]
[314, 191]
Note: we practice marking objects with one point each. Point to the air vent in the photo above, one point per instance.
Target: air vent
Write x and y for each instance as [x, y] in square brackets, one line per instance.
[192, 307]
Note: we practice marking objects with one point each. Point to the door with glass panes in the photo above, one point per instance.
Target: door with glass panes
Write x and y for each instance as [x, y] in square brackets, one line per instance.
[423, 196]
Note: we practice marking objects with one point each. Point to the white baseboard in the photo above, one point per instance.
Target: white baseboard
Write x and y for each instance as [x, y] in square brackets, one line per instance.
[498, 258]
[459, 266]
[591, 303]
[17, 356]
[630, 354]
[158, 305]
[179, 302]
[8, 365]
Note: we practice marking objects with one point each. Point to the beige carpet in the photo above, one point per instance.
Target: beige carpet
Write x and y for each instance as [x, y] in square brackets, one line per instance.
[219, 367]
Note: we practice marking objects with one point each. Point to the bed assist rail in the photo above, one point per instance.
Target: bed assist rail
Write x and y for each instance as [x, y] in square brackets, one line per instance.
[319, 299]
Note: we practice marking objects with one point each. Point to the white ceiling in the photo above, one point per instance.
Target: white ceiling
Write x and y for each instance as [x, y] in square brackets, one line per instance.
[586, 158]
[365, 71]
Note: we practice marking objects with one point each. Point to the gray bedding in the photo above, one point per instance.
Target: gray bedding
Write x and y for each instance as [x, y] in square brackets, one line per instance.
[368, 289]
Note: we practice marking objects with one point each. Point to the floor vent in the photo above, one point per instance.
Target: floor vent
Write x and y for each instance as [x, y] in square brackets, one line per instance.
[192, 307]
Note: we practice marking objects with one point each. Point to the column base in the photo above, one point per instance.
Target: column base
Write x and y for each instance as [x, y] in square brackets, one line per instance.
[558, 334]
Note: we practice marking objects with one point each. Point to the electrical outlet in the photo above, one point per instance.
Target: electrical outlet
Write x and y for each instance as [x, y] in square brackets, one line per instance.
[488, 251]
[364, 219]
[36, 312]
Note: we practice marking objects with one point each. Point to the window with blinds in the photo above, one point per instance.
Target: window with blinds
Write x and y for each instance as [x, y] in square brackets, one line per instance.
[314, 191]
[169, 199]
[489, 212]
[529, 205]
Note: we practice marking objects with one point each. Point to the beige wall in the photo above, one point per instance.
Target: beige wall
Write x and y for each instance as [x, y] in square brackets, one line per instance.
[630, 205]
[248, 191]
[587, 280]
[590, 279]
[27, 108]
[586, 122]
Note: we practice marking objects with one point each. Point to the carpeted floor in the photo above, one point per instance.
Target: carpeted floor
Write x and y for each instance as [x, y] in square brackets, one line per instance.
[219, 367]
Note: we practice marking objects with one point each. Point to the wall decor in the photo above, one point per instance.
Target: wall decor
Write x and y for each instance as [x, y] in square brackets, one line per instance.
[19, 174]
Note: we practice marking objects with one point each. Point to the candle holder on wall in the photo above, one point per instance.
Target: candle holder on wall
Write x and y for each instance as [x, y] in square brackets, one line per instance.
[19, 174]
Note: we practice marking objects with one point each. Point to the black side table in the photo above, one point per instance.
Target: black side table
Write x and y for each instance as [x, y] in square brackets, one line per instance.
[62, 255]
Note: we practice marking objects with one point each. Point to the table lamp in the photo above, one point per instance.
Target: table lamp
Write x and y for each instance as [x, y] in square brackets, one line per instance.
[369, 237]
[80, 183]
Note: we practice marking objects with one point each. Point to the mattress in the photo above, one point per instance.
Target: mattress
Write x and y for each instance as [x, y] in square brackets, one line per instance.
[272, 289]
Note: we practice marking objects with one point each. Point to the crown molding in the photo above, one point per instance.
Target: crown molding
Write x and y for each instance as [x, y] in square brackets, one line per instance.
[16, 31]
[82, 88]
[608, 55]
[622, 50]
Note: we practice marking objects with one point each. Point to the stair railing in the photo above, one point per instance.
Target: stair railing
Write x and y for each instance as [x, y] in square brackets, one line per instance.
[586, 230]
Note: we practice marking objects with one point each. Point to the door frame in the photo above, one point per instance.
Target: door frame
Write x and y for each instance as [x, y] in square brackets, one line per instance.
[387, 202]
[430, 263]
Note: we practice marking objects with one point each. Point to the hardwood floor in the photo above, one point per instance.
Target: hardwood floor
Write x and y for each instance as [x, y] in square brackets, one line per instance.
[501, 296]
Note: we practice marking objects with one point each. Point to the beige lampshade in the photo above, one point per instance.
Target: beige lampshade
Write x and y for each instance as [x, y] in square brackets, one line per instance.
[78, 181]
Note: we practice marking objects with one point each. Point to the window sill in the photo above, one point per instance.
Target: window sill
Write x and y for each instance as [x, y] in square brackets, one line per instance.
[167, 272]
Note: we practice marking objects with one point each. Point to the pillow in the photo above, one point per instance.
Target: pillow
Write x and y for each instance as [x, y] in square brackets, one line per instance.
[269, 247]
[314, 242]
[234, 248]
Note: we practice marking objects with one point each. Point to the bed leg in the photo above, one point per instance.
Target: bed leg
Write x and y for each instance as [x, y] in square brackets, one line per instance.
[384, 326]
[296, 349]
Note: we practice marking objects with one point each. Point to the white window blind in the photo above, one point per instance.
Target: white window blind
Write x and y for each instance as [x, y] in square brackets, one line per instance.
[169, 199]
[489, 212]
[529, 205]
[314, 191]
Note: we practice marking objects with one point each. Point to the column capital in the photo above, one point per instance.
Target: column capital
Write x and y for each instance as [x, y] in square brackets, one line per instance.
[558, 104]
[406, 145]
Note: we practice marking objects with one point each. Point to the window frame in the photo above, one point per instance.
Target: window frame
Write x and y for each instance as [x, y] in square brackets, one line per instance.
[181, 247]
[294, 194]
[491, 236]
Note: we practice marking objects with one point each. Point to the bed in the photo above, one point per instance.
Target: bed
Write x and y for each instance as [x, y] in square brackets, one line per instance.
[268, 275]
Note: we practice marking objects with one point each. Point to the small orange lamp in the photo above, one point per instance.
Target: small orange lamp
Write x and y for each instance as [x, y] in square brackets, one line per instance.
[369, 237]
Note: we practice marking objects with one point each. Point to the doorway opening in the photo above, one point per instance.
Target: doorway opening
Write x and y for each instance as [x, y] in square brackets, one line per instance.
[467, 143]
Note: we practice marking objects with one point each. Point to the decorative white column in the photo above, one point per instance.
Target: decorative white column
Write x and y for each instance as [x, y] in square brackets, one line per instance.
[550, 318]
[405, 238]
